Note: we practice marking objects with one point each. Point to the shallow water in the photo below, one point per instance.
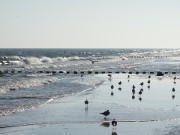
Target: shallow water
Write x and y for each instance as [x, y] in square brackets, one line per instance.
[156, 113]
[31, 78]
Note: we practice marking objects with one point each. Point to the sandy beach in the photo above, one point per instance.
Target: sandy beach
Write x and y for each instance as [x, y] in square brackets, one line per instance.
[156, 111]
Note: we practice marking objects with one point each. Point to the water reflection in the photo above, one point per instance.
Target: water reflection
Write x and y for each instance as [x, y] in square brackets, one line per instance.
[114, 133]
[173, 96]
[105, 124]
[133, 97]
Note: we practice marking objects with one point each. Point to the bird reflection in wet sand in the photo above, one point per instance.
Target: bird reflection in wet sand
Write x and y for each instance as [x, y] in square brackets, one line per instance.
[133, 96]
[173, 96]
[105, 124]
[114, 133]
[112, 93]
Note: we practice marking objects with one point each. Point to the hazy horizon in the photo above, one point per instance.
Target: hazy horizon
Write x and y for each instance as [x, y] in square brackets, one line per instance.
[89, 24]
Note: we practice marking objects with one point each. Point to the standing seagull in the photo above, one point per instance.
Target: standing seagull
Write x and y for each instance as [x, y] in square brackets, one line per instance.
[112, 87]
[86, 103]
[120, 83]
[142, 84]
[114, 124]
[173, 89]
[140, 92]
[106, 113]
[174, 79]
[133, 91]
[109, 75]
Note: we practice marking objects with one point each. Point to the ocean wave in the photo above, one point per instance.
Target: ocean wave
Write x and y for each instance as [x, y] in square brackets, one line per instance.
[16, 84]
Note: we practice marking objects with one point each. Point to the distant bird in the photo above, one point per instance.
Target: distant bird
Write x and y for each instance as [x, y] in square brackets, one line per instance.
[120, 83]
[142, 84]
[109, 75]
[86, 102]
[112, 93]
[128, 76]
[174, 79]
[149, 76]
[173, 89]
[106, 113]
[112, 87]
[148, 81]
[133, 87]
[114, 123]
[133, 91]
[140, 92]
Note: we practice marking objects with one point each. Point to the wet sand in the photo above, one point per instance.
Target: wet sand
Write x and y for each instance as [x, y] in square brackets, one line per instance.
[156, 111]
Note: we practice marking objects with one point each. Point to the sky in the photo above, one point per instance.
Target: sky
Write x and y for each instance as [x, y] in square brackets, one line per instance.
[89, 23]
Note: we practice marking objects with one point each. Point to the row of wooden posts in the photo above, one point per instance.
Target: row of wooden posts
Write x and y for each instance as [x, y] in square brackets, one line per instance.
[90, 72]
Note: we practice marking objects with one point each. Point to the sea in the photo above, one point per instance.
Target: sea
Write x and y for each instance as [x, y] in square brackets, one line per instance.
[30, 78]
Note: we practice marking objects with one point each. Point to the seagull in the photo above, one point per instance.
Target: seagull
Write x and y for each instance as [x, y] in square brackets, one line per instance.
[106, 113]
[109, 75]
[114, 123]
[133, 91]
[173, 89]
[149, 76]
[112, 87]
[140, 92]
[174, 79]
[133, 87]
[142, 84]
[148, 81]
[120, 83]
[86, 102]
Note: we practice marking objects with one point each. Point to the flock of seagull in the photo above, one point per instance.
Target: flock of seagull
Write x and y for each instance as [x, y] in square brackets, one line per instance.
[107, 112]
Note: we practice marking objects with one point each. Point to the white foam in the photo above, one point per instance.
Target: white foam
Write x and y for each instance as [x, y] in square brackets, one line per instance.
[16, 84]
